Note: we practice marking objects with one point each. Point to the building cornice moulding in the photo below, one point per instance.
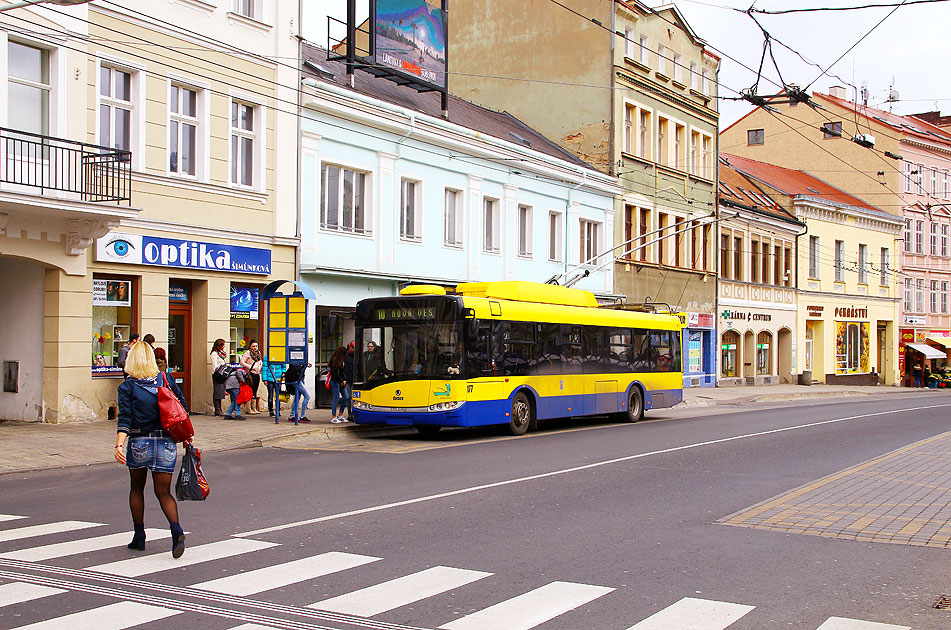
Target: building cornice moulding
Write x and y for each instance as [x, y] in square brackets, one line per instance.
[205, 187]
[214, 234]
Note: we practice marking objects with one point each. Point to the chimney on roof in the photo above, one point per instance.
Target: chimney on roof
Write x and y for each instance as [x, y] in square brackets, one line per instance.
[837, 91]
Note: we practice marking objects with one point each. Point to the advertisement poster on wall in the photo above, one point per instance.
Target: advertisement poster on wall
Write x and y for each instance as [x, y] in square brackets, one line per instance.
[244, 303]
[411, 37]
[111, 292]
[852, 348]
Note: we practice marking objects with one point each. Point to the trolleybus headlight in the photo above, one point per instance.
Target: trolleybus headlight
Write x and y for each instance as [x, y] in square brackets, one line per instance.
[359, 404]
[446, 406]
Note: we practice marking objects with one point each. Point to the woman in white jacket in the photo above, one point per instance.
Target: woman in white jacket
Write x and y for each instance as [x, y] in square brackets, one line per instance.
[218, 357]
[252, 361]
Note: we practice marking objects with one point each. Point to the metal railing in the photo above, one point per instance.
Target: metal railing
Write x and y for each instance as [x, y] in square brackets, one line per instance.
[91, 172]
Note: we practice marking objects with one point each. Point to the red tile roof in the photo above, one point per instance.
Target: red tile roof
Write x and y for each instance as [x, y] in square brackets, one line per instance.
[795, 183]
[738, 188]
[897, 124]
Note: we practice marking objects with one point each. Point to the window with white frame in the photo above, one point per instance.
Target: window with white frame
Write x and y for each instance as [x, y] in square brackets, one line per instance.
[934, 296]
[706, 169]
[934, 238]
[678, 68]
[706, 86]
[411, 228]
[909, 289]
[945, 185]
[491, 228]
[944, 239]
[524, 230]
[840, 261]
[944, 296]
[909, 177]
[919, 295]
[28, 88]
[814, 257]
[661, 59]
[555, 237]
[629, 113]
[452, 218]
[244, 130]
[249, 8]
[863, 264]
[934, 182]
[343, 199]
[908, 241]
[884, 268]
[694, 76]
[590, 243]
[183, 130]
[115, 108]
[645, 51]
[920, 179]
[661, 155]
[644, 135]
[919, 237]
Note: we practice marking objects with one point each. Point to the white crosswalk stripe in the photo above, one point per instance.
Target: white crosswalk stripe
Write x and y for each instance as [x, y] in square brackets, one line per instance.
[19, 592]
[83, 545]
[32, 531]
[841, 623]
[691, 613]
[268, 578]
[392, 594]
[134, 567]
[10, 517]
[532, 608]
[112, 617]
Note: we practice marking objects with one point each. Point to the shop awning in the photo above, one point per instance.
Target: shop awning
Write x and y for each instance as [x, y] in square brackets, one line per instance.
[928, 351]
[944, 342]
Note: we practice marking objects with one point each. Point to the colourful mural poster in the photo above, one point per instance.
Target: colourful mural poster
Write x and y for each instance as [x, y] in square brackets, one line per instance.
[852, 348]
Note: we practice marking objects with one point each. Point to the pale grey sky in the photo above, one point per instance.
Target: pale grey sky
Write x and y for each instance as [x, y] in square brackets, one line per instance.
[909, 46]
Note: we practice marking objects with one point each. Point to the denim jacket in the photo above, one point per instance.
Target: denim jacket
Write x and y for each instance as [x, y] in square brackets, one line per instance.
[138, 404]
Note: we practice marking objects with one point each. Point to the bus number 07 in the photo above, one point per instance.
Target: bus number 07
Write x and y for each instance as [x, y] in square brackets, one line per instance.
[469, 388]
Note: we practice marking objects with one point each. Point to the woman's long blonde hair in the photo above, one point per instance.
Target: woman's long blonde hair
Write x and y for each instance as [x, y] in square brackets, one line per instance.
[140, 363]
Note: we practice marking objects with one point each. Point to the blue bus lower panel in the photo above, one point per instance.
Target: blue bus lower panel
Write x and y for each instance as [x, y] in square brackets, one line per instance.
[476, 413]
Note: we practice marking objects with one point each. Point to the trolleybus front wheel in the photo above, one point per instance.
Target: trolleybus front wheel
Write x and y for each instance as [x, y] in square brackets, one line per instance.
[635, 406]
[522, 416]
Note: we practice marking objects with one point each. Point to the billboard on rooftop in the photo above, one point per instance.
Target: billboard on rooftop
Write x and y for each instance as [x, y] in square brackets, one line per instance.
[411, 39]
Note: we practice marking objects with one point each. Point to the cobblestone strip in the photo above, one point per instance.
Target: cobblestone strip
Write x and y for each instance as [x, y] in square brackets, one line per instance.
[902, 497]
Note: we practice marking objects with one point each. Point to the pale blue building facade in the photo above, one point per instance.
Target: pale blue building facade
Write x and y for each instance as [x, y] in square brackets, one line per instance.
[392, 195]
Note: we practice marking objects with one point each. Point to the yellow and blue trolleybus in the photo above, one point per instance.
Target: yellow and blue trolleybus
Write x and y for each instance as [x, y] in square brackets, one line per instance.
[509, 353]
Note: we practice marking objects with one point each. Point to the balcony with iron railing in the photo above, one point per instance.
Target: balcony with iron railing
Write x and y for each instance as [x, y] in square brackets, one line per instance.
[64, 169]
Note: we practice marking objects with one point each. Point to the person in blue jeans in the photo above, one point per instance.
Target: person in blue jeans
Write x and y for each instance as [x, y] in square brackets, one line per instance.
[271, 374]
[236, 378]
[294, 380]
[337, 383]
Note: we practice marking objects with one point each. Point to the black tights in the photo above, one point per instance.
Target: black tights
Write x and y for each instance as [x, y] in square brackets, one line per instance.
[162, 484]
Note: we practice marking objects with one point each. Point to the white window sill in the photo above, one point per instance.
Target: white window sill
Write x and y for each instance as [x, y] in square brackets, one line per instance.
[243, 20]
[367, 234]
[412, 240]
[455, 246]
[205, 7]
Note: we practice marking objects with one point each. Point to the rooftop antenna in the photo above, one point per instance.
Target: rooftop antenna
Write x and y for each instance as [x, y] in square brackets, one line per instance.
[893, 95]
[863, 94]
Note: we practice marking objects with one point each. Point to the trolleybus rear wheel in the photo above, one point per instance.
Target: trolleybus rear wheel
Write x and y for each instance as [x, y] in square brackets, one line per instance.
[522, 416]
[635, 406]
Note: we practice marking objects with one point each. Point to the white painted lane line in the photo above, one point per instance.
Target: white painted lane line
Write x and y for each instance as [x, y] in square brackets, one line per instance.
[112, 617]
[260, 580]
[44, 530]
[84, 545]
[392, 594]
[841, 623]
[532, 608]
[691, 613]
[10, 517]
[565, 471]
[135, 567]
[18, 592]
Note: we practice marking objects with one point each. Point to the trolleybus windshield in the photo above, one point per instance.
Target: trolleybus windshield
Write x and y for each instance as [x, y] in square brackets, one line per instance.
[411, 341]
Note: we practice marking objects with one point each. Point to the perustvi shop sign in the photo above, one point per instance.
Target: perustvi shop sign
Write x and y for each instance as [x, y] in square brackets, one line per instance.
[138, 249]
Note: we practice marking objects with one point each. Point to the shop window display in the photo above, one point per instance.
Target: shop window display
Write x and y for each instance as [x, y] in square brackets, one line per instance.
[852, 348]
[113, 315]
[764, 343]
[729, 345]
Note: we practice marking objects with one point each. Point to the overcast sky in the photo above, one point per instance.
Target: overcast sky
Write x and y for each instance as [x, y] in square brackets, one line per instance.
[910, 46]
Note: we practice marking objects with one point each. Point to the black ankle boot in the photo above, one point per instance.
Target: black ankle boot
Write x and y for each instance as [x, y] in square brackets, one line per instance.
[138, 538]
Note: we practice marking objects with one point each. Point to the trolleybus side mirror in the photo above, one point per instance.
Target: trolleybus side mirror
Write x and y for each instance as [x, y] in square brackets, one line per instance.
[472, 327]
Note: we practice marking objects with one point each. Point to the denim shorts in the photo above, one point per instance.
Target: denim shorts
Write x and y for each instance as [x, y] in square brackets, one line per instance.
[155, 451]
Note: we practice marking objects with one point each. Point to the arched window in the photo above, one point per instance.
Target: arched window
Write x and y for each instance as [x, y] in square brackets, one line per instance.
[764, 357]
[728, 353]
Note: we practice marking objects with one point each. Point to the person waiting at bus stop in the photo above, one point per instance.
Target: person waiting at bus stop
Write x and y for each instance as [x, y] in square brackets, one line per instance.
[294, 381]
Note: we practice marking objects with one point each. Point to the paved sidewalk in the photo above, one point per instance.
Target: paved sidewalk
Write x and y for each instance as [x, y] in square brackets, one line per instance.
[32, 446]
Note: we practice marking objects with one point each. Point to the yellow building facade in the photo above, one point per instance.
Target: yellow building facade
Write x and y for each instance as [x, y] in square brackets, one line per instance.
[178, 208]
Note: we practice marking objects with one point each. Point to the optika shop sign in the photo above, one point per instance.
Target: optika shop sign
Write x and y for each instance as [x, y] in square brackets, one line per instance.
[137, 249]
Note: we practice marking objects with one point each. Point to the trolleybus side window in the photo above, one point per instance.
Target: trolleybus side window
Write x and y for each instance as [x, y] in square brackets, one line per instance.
[479, 358]
[640, 351]
[518, 348]
[619, 350]
[595, 358]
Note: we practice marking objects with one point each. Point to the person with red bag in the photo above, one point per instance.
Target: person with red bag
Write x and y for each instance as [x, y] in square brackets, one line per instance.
[237, 381]
[143, 445]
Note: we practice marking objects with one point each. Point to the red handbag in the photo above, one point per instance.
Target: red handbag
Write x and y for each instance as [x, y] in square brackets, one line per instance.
[172, 414]
[244, 394]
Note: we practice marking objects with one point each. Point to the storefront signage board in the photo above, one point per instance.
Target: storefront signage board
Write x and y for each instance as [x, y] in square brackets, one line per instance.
[138, 249]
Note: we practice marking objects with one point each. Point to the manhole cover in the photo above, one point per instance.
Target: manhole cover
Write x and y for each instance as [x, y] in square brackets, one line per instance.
[943, 602]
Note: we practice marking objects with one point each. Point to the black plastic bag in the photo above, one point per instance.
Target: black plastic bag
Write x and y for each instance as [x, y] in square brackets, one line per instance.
[191, 484]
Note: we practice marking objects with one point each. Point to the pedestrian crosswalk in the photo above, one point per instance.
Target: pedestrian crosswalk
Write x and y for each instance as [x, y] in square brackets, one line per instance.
[24, 578]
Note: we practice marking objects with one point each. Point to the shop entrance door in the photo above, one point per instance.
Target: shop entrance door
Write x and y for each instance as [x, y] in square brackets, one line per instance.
[179, 346]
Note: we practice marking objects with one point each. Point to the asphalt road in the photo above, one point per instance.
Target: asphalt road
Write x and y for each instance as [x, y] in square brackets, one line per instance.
[612, 522]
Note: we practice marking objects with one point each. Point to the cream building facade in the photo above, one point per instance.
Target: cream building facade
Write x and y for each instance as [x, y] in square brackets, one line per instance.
[848, 302]
[173, 213]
